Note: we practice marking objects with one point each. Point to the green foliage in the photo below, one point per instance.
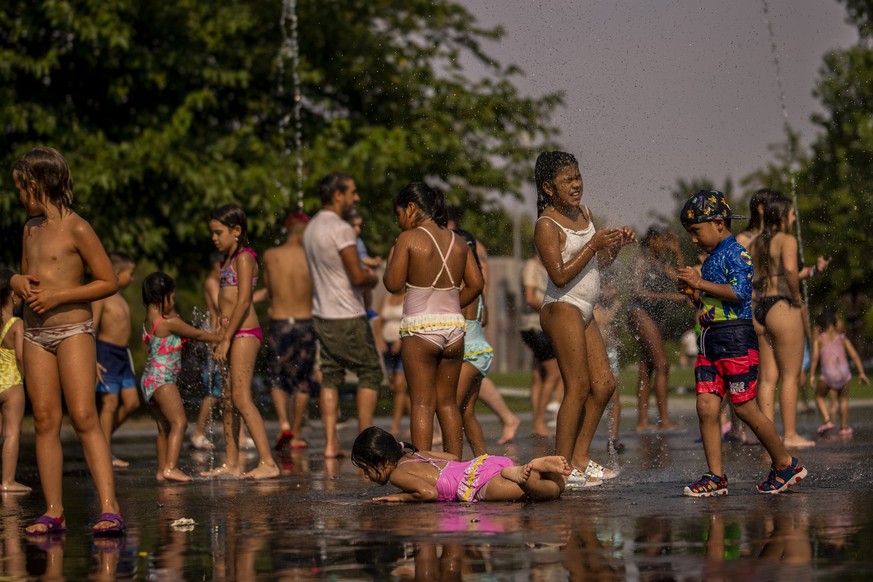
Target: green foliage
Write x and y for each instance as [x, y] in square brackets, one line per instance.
[167, 109]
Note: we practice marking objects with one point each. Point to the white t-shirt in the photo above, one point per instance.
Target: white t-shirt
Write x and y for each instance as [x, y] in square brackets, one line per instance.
[333, 295]
[533, 274]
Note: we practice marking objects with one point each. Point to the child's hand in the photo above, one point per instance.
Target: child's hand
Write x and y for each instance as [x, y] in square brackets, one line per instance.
[605, 238]
[42, 300]
[690, 277]
[394, 497]
[23, 285]
[100, 370]
[221, 351]
[862, 378]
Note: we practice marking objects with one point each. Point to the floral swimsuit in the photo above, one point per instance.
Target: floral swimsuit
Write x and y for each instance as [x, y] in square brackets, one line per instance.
[164, 360]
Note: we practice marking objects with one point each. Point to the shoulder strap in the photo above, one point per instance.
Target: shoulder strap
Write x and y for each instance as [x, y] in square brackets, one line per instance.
[7, 327]
[550, 218]
[157, 323]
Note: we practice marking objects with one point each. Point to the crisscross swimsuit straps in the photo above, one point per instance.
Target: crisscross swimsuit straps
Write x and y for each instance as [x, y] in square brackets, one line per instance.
[164, 360]
[434, 313]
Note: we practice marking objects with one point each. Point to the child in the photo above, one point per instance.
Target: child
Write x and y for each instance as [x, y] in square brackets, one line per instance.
[354, 218]
[162, 332]
[115, 376]
[432, 328]
[432, 476]
[241, 342]
[478, 355]
[832, 346]
[211, 374]
[728, 355]
[572, 253]
[11, 383]
[59, 352]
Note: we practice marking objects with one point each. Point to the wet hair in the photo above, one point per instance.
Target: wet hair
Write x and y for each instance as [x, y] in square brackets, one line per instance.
[774, 220]
[336, 181]
[471, 243]
[120, 260]
[48, 169]
[5, 290]
[374, 447]
[760, 198]
[157, 288]
[547, 167]
[430, 201]
[826, 318]
[231, 215]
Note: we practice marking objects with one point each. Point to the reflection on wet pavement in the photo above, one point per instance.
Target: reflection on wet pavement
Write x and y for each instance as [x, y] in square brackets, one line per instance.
[316, 521]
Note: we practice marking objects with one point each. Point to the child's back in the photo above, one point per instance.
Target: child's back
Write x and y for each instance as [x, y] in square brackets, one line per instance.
[834, 361]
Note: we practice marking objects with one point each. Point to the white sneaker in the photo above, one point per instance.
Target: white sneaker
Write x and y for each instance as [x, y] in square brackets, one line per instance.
[598, 471]
[553, 407]
[246, 444]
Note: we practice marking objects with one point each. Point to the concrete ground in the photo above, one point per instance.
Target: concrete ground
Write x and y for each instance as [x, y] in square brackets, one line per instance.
[316, 521]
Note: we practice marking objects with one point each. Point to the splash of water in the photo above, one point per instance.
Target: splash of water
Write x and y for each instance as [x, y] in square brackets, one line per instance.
[792, 147]
[290, 51]
[206, 364]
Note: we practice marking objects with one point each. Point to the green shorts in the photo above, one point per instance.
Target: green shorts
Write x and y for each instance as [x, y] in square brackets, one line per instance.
[348, 344]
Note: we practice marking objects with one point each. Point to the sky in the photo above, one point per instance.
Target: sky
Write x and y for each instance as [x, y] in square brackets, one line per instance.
[657, 90]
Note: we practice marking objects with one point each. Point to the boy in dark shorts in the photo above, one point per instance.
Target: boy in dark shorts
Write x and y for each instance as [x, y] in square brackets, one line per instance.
[728, 358]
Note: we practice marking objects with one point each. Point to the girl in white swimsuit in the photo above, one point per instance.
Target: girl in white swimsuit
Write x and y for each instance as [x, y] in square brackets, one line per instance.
[432, 328]
[572, 252]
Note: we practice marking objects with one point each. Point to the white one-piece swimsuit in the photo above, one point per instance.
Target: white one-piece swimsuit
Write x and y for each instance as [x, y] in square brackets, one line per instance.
[584, 290]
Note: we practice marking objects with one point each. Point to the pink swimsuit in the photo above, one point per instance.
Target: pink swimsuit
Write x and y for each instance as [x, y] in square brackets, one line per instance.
[228, 277]
[834, 364]
[464, 480]
[433, 313]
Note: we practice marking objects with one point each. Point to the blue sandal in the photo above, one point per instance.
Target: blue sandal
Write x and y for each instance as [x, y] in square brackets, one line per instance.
[780, 480]
[710, 485]
[53, 525]
[117, 527]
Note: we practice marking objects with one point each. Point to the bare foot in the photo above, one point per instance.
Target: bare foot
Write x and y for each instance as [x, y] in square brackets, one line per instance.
[297, 443]
[543, 432]
[159, 476]
[14, 487]
[337, 455]
[798, 442]
[518, 474]
[176, 475]
[645, 427]
[223, 471]
[509, 430]
[264, 470]
[119, 464]
[553, 464]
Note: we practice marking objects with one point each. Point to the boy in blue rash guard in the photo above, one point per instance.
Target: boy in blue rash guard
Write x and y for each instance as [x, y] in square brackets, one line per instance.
[727, 361]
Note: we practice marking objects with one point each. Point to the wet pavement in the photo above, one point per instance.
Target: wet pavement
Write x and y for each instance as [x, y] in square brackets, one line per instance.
[317, 521]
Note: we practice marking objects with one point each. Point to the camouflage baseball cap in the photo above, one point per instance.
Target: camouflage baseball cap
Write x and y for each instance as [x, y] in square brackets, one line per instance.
[706, 205]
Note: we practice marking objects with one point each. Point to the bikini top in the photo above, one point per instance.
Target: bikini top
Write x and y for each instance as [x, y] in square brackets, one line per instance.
[228, 277]
[434, 300]
[422, 459]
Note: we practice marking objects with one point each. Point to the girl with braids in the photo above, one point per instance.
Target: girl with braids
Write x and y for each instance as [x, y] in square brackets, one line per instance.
[164, 332]
[780, 310]
[432, 263]
[11, 383]
[242, 338]
[573, 252]
[433, 476]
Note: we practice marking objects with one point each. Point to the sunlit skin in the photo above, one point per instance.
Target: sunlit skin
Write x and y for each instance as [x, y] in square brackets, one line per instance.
[579, 347]
[53, 294]
[432, 372]
[237, 312]
[784, 331]
[707, 236]
[540, 479]
[166, 404]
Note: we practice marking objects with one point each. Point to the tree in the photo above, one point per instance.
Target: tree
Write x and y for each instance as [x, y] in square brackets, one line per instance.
[168, 109]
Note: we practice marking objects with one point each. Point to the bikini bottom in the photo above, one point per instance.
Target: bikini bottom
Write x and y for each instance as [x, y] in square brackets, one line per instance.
[765, 304]
[254, 332]
[442, 330]
[51, 337]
